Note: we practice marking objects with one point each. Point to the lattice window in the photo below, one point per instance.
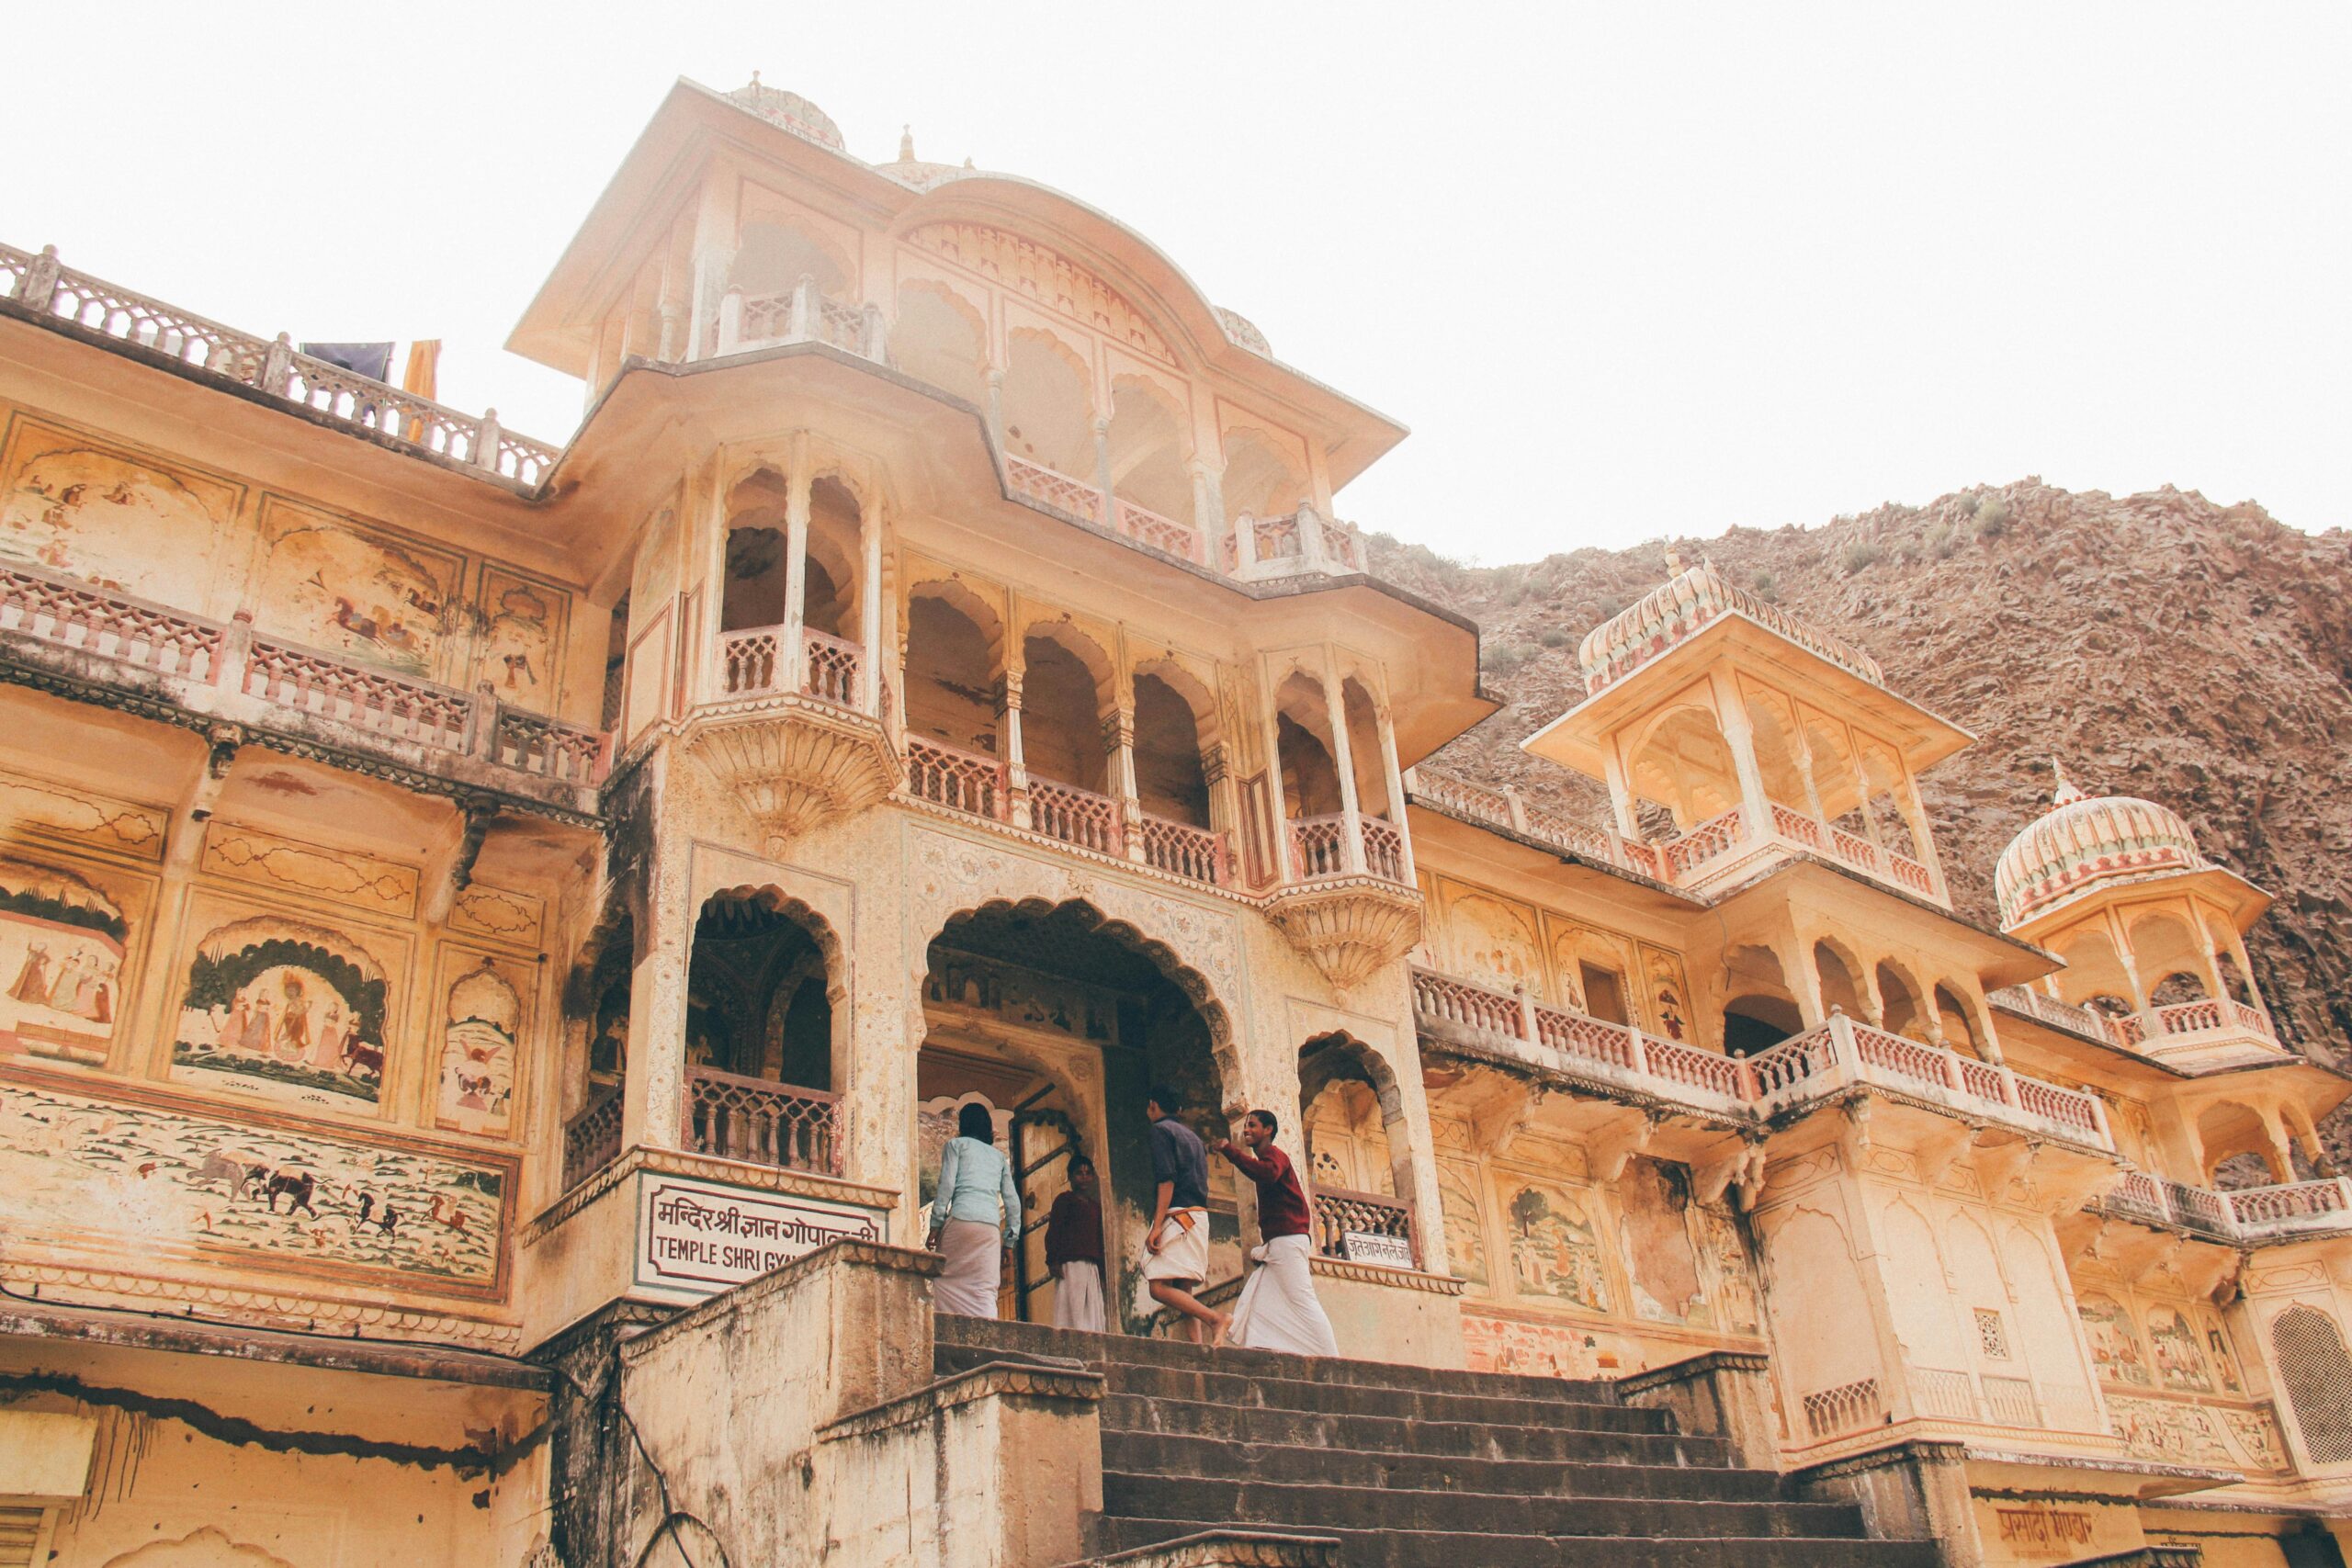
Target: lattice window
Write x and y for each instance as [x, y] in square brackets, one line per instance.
[1992, 1334]
[2314, 1364]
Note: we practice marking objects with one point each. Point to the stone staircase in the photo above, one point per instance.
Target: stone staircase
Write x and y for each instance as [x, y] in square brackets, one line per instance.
[1411, 1467]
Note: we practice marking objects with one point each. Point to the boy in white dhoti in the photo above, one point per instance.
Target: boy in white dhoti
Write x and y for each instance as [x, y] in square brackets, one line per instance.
[1176, 1249]
[1074, 1251]
[1278, 1309]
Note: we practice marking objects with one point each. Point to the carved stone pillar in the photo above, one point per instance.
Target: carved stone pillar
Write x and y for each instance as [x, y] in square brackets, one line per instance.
[793, 657]
[1119, 746]
[1016, 766]
[1343, 758]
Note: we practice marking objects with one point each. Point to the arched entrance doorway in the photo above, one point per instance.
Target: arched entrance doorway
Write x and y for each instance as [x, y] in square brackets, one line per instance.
[1060, 1021]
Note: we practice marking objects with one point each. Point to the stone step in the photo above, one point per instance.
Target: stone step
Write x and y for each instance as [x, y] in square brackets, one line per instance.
[1165, 1453]
[1260, 1503]
[1278, 1393]
[1128, 1350]
[1426, 1549]
[1396, 1435]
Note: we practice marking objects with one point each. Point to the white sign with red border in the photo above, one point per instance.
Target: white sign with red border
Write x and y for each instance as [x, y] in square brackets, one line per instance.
[697, 1238]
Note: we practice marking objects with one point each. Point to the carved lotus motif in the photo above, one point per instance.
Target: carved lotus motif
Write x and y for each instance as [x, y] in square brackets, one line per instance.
[792, 762]
[1351, 926]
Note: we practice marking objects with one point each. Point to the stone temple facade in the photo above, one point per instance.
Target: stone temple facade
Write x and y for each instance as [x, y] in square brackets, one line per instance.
[493, 937]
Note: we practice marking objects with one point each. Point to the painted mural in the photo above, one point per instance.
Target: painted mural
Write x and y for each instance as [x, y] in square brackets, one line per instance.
[482, 1030]
[329, 584]
[1669, 995]
[102, 518]
[1543, 1350]
[42, 811]
[1493, 944]
[61, 947]
[180, 1186]
[2180, 1433]
[1554, 1247]
[2179, 1354]
[286, 1012]
[1734, 1285]
[2115, 1348]
[523, 632]
[1465, 1227]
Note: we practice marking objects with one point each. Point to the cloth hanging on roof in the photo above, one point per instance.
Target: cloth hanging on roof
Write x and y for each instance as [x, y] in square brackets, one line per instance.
[423, 376]
[373, 360]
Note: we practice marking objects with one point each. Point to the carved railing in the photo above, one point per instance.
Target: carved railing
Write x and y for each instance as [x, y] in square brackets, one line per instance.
[2205, 1015]
[1848, 1407]
[1182, 849]
[1783, 1072]
[1950, 1395]
[1074, 815]
[549, 748]
[398, 706]
[2250, 1214]
[751, 662]
[759, 1121]
[1383, 849]
[1318, 846]
[1339, 1211]
[1460, 797]
[1466, 1006]
[2009, 1401]
[1694, 849]
[2199, 1208]
[592, 1140]
[1048, 486]
[801, 315]
[2051, 1010]
[1148, 528]
[1590, 1047]
[93, 308]
[112, 626]
[2296, 1207]
[959, 780]
[1276, 538]
[833, 667]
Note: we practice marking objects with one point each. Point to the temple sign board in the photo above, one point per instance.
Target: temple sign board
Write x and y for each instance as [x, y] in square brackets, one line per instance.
[697, 1238]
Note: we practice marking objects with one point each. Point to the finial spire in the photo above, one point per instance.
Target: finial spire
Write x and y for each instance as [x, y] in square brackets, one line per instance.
[906, 144]
[1675, 565]
[756, 78]
[2065, 792]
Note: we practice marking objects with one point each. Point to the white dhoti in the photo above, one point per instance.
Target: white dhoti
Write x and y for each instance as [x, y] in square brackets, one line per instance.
[1184, 1254]
[1278, 1309]
[1078, 1298]
[974, 1254]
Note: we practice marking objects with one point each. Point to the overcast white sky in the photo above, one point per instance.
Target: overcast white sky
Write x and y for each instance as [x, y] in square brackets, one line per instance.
[1625, 269]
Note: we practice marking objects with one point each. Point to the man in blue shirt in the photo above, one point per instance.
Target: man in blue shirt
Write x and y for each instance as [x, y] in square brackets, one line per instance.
[1176, 1249]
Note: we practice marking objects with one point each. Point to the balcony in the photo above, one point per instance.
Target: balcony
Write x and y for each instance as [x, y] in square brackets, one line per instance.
[980, 786]
[1350, 904]
[2205, 1033]
[1709, 855]
[592, 1140]
[792, 740]
[1817, 1065]
[801, 315]
[761, 1122]
[82, 306]
[300, 697]
[2250, 1216]
[1341, 1213]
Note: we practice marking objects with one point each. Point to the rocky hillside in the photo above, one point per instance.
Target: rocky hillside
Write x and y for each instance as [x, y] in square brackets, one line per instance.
[2159, 644]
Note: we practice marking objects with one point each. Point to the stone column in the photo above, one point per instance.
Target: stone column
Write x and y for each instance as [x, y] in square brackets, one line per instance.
[1225, 797]
[1620, 792]
[2116, 934]
[1206, 515]
[869, 611]
[1343, 758]
[1923, 836]
[1102, 472]
[1276, 803]
[792, 658]
[996, 411]
[1394, 778]
[1740, 734]
[1804, 751]
[1017, 765]
[1311, 553]
[653, 1099]
[1119, 745]
[1870, 817]
[1245, 546]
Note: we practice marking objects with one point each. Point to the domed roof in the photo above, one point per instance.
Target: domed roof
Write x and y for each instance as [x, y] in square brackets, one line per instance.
[915, 174]
[2084, 841]
[1677, 610]
[790, 111]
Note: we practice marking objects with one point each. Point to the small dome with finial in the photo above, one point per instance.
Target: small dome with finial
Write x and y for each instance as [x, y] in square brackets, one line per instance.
[2084, 841]
[790, 111]
[913, 172]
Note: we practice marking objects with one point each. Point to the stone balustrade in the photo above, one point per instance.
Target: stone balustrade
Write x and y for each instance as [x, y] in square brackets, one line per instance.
[1320, 847]
[1821, 1062]
[2248, 1216]
[1688, 859]
[2179, 1026]
[84, 306]
[227, 671]
[759, 1121]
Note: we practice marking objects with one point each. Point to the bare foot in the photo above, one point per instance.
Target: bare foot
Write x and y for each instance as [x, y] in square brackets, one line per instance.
[1216, 1335]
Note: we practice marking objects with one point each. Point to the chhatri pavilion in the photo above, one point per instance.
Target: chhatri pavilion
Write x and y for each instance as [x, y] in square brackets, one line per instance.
[495, 936]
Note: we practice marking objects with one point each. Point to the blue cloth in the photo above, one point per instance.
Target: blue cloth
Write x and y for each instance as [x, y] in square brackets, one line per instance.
[974, 1179]
[1178, 1158]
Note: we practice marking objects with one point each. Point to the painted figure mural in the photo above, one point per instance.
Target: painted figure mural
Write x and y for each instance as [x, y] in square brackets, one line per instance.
[1555, 1248]
[188, 1187]
[521, 640]
[480, 1026]
[2114, 1347]
[1660, 1262]
[61, 964]
[111, 521]
[329, 586]
[286, 1012]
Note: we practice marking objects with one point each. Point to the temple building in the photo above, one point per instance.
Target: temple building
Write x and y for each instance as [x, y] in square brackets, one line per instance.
[493, 938]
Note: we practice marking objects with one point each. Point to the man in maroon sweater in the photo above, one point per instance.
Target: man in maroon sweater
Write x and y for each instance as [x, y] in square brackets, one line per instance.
[1278, 1309]
[1074, 1251]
